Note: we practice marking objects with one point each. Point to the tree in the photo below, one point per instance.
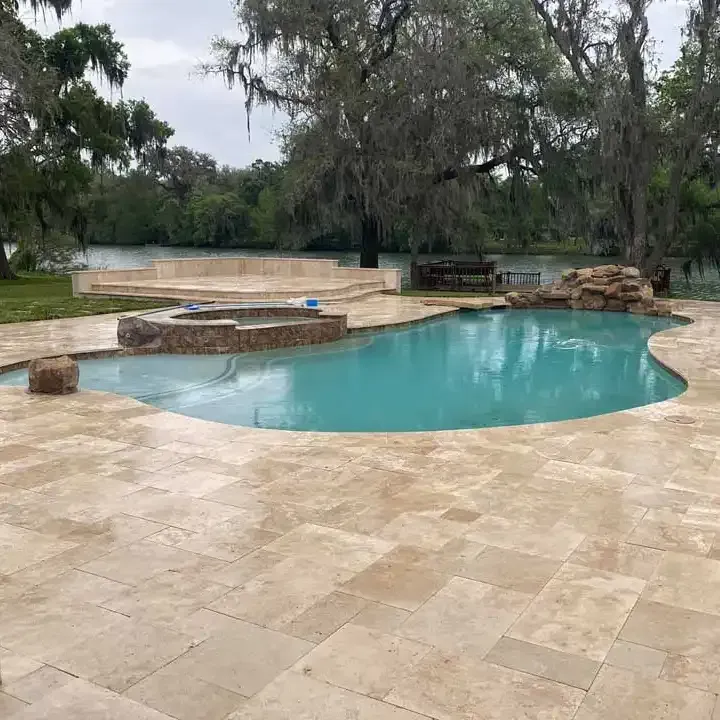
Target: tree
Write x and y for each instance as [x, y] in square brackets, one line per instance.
[55, 130]
[186, 200]
[389, 100]
[689, 105]
[607, 51]
[180, 169]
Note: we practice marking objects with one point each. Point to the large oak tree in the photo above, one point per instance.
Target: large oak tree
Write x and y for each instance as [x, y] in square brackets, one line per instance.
[390, 101]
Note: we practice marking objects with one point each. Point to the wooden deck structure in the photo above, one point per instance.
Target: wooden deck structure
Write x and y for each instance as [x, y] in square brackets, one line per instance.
[660, 280]
[469, 276]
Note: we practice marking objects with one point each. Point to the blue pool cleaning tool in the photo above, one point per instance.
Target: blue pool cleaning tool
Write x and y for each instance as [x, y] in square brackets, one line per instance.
[311, 302]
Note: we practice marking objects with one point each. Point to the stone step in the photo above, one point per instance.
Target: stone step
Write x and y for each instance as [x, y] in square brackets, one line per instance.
[335, 295]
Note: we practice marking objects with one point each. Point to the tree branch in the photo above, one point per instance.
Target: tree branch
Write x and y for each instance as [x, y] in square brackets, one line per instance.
[386, 30]
[563, 41]
[453, 173]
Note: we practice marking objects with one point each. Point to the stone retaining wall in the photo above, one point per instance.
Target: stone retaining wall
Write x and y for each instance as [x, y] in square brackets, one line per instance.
[607, 287]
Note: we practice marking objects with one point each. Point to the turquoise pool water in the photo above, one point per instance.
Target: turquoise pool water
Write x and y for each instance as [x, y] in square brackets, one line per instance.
[469, 370]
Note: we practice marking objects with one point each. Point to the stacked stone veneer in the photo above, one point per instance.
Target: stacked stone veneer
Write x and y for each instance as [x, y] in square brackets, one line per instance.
[214, 331]
[607, 287]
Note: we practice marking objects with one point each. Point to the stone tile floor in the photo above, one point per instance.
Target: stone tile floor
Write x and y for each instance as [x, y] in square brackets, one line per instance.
[156, 566]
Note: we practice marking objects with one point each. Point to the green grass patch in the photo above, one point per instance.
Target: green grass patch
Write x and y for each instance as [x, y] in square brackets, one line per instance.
[48, 297]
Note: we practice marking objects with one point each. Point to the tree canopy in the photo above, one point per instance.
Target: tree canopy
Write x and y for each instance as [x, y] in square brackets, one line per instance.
[56, 131]
[412, 124]
[408, 111]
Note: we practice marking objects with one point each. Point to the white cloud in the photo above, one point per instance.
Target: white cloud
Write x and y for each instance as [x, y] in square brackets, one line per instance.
[145, 52]
[666, 20]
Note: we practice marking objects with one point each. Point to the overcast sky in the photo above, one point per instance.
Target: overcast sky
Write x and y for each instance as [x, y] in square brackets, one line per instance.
[165, 39]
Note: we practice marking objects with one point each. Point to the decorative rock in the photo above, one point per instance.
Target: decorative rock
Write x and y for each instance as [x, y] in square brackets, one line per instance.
[553, 294]
[603, 271]
[615, 305]
[53, 376]
[593, 301]
[597, 289]
[584, 279]
[607, 287]
[648, 300]
[615, 279]
[135, 332]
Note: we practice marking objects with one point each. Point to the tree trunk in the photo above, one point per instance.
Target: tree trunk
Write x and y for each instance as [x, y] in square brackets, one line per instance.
[6, 272]
[638, 241]
[667, 236]
[414, 273]
[632, 220]
[370, 242]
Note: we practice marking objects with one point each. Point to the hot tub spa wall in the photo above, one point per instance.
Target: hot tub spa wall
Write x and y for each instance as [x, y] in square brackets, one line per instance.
[215, 332]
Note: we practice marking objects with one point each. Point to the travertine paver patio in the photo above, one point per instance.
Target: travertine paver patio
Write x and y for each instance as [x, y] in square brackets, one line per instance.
[24, 341]
[156, 566]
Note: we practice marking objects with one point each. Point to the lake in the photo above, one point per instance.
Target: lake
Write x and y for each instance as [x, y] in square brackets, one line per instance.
[550, 266]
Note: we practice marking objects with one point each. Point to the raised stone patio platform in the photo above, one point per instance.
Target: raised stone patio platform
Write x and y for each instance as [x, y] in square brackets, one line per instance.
[238, 279]
[157, 567]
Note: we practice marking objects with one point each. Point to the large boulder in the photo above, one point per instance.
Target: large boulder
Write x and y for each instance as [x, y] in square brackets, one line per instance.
[53, 376]
[136, 332]
[615, 305]
[604, 271]
[592, 288]
[593, 301]
[553, 293]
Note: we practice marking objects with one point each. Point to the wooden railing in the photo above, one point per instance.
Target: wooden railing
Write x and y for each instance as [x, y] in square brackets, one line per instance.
[455, 275]
[518, 278]
[660, 280]
[464, 276]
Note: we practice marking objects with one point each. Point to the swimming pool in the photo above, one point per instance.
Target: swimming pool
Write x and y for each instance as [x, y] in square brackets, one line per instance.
[468, 370]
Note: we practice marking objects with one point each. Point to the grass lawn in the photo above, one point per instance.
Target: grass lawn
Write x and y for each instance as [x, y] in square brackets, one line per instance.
[443, 293]
[46, 297]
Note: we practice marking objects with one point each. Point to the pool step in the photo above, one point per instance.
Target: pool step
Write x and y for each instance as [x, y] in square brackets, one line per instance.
[172, 292]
